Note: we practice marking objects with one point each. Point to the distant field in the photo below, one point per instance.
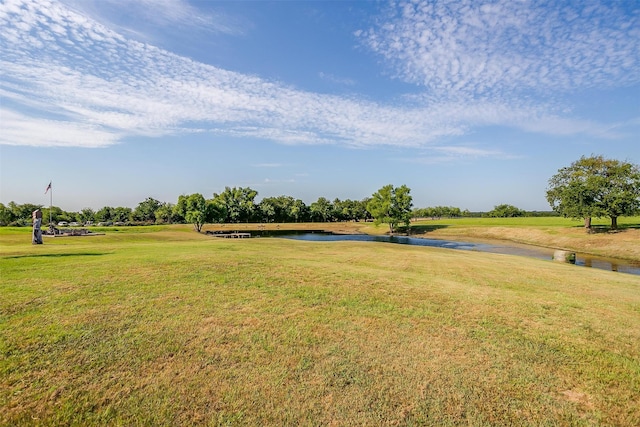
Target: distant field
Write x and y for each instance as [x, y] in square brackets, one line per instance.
[162, 326]
[553, 232]
[555, 221]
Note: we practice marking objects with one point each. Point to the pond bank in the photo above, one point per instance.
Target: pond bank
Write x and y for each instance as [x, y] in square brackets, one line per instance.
[623, 245]
[583, 260]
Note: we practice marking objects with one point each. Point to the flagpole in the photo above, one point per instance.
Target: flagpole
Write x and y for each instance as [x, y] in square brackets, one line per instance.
[50, 203]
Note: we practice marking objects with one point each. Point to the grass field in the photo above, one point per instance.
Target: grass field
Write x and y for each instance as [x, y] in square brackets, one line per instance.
[163, 326]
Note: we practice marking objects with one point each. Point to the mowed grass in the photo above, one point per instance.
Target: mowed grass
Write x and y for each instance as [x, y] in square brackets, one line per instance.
[169, 327]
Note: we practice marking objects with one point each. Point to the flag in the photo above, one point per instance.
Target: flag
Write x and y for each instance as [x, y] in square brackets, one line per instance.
[48, 188]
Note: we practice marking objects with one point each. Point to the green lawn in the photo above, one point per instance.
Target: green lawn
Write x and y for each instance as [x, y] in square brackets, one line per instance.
[160, 326]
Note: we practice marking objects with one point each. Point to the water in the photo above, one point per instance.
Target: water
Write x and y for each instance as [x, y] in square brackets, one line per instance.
[582, 260]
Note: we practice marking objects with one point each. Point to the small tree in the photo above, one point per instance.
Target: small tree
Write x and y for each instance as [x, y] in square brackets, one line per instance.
[595, 187]
[391, 206]
[193, 208]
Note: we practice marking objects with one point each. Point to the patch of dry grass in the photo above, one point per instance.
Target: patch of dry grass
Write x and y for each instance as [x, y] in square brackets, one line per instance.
[624, 244]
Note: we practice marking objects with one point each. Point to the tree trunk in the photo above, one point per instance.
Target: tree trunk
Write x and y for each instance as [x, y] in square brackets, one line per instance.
[390, 228]
[587, 223]
[614, 222]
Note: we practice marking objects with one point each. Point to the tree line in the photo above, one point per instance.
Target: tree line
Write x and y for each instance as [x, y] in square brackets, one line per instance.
[390, 205]
[233, 205]
[590, 187]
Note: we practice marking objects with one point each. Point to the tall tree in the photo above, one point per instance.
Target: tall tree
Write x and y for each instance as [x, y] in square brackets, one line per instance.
[164, 213]
[596, 187]
[267, 208]
[298, 211]
[391, 206]
[321, 209]
[104, 214]
[122, 214]
[238, 203]
[146, 210]
[86, 214]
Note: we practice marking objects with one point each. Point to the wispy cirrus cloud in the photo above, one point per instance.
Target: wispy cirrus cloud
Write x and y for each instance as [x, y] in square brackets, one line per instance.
[146, 17]
[471, 48]
[90, 85]
[337, 80]
[456, 153]
[267, 165]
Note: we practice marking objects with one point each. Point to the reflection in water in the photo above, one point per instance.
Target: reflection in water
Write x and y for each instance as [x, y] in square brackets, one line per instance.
[522, 250]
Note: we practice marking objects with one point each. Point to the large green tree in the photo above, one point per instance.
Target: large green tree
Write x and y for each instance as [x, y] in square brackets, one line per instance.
[239, 203]
[321, 210]
[146, 210]
[164, 214]
[122, 214]
[86, 215]
[391, 206]
[596, 187]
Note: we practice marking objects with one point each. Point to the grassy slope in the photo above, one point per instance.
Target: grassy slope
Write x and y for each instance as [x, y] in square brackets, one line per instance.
[557, 233]
[168, 327]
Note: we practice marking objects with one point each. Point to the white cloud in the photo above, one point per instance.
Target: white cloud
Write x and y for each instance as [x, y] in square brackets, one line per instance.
[70, 81]
[472, 48]
[18, 129]
[455, 153]
[150, 14]
[267, 165]
[335, 79]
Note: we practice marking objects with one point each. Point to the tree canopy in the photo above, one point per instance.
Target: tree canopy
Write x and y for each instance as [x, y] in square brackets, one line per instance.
[238, 203]
[391, 206]
[505, 211]
[596, 187]
[145, 211]
[198, 211]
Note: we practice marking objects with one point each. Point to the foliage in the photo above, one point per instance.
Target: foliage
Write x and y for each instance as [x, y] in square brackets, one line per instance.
[86, 215]
[438, 212]
[350, 210]
[238, 203]
[123, 214]
[104, 214]
[146, 210]
[197, 211]
[321, 210]
[164, 214]
[391, 206]
[6, 216]
[505, 211]
[596, 187]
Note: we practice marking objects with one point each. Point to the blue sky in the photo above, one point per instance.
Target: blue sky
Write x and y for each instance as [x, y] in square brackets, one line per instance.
[469, 103]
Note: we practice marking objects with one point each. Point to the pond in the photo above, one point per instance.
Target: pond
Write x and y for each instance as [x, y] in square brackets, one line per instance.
[583, 260]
